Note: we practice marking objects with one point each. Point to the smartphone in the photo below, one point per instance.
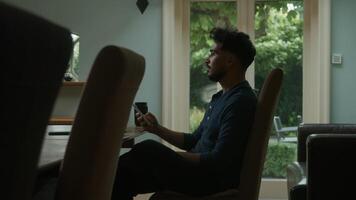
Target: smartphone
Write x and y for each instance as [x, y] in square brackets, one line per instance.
[143, 115]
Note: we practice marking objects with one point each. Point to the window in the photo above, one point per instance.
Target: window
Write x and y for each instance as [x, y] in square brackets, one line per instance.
[315, 73]
[204, 16]
[279, 43]
[72, 73]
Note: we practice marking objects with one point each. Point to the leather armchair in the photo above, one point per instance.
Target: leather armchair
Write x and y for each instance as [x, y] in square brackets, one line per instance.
[324, 160]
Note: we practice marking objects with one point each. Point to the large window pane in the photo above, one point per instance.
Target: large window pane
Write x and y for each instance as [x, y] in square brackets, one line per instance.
[203, 17]
[279, 43]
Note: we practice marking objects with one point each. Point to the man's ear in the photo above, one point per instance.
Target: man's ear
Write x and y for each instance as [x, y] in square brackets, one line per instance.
[231, 59]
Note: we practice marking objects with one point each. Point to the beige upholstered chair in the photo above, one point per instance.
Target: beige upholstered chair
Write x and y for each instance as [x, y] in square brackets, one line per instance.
[256, 148]
[32, 72]
[90, 161]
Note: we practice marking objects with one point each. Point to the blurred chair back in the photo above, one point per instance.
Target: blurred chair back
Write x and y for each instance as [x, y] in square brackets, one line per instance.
[277, 123]
[34, 55]
[255, 154]
[320, 147]
[282, 132]
[304, 130]
[90, 161]
[331, 164]
[254, 157]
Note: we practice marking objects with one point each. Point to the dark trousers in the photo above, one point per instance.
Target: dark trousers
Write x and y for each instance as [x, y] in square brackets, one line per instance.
[150, 167]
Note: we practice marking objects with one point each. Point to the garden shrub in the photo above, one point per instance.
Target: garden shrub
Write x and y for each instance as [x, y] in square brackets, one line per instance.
[279, 155]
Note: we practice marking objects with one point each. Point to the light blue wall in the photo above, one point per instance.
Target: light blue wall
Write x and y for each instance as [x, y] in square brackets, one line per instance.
[343, 77]
[104, 22]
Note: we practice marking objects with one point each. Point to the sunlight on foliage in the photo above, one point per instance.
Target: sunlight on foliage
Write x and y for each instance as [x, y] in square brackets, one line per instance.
[196, 115]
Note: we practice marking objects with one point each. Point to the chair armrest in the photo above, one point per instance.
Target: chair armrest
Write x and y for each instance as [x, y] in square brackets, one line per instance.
[298, 192]
[51, 169]
[304, 130]
[296, 172]
[45, 173]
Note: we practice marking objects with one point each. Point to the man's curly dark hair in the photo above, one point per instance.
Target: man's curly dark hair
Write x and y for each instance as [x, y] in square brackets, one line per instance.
[235, 42]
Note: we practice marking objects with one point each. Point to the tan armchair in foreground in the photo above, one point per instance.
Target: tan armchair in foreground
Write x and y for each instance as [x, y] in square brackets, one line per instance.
[256, 149]
[91, 156]
[90, 161]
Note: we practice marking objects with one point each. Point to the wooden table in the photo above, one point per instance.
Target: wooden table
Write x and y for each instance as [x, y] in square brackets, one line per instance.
[54, 146]
[61, 121]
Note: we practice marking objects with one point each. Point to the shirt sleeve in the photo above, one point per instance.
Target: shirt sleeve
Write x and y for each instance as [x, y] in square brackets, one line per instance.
[190, 139]
[235, 125]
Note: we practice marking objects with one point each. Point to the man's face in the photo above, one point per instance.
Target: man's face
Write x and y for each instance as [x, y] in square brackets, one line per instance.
[217, 63]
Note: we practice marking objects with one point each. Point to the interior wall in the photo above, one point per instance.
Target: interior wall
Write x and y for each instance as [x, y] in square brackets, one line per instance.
[343, 95]
[105, 22]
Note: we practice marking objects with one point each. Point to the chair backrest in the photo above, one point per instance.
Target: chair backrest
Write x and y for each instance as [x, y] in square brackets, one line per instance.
[277, 123]
[330, 162]
[254, 158]
[304, 130]
[277, 127]
[93, 148]
[34, 55]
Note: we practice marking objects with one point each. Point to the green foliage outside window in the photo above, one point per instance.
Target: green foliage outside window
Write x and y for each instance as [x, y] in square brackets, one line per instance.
[204, 17]
[196, 115]
[278, 156]
[279, 43]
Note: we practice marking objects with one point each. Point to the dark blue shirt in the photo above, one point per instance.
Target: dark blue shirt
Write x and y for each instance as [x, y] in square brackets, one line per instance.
[223, 133]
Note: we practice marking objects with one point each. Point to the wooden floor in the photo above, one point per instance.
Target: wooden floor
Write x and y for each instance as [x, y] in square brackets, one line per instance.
[147, 196]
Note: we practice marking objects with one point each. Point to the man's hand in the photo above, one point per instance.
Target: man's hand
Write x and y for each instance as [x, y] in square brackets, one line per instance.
[148, 122]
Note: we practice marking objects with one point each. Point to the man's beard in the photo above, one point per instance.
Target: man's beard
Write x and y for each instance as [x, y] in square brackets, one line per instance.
[217, 76]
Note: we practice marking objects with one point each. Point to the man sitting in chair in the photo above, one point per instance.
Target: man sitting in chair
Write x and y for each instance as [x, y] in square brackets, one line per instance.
[214, 152]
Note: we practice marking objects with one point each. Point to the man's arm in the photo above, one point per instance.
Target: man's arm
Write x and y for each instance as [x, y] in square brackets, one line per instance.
[178, 139]
[173, 137]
